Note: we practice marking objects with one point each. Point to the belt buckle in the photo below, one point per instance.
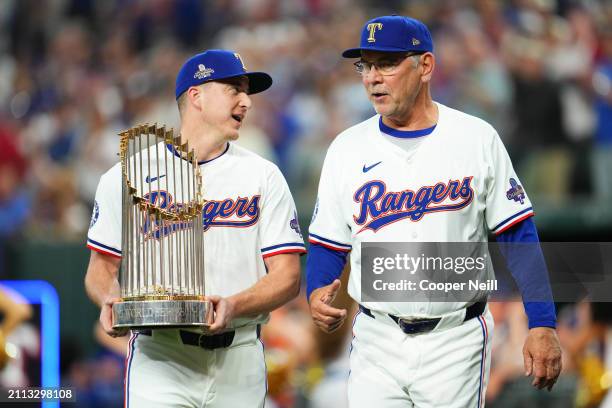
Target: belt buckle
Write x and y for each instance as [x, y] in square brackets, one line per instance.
[409, 320]
[416, 325]
[408, 325]
[202, 341]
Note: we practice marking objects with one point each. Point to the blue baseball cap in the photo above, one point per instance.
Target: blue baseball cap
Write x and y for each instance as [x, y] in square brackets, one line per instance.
[213, 65]
[392, 34]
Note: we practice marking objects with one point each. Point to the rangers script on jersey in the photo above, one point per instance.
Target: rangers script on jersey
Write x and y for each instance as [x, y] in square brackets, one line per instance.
[248, 215]
[452, 185]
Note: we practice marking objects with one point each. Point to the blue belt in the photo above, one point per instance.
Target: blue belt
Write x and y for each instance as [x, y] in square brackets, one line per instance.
[418, 325]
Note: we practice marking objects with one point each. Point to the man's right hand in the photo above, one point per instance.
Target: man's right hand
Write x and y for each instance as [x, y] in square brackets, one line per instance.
[103, 288]
[106, 319]
[327, 317]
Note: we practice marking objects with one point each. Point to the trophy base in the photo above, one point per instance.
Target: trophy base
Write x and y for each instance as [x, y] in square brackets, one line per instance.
[162, 314]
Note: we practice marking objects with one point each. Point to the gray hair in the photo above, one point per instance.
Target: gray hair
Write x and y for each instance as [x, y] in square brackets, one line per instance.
[415, 60]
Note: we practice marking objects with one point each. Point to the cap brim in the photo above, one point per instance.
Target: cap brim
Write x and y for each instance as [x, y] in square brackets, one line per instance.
[258, 82]
[356, 52]
[352, 53]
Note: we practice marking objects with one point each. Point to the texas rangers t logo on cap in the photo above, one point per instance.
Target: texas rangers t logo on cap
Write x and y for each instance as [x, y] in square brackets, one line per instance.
[240, 59]
[400, 34]
[372, 27]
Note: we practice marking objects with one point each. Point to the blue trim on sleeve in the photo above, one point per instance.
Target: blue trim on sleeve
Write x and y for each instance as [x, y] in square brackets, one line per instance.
[330, 241]
[404, 134]
[104, 246]
[323, 266]
[528, 267]
[511, 217]
[292, 244]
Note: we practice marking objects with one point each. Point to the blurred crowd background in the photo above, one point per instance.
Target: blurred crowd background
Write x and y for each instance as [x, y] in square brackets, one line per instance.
[73, 73]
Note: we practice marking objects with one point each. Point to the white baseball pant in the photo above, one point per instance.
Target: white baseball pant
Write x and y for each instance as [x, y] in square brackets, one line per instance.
[441, 368]
[161, 371]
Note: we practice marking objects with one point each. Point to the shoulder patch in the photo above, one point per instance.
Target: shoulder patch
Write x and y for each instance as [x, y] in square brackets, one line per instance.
[516, 192]
[94, 215]
[315, 212]
[295, 225]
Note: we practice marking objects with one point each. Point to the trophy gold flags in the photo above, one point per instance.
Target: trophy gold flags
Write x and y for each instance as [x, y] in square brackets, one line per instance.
[162, 266]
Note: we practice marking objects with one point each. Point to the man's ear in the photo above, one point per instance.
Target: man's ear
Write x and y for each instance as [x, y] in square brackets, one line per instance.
[428, 63]
[195, 97]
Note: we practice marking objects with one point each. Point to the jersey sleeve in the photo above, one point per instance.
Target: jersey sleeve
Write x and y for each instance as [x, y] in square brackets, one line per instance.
[104, 233]
[279, 227]
[328, 226]
[506, 202]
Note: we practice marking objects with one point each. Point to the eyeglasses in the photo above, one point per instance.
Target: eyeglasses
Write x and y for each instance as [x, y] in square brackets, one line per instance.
[384, 66]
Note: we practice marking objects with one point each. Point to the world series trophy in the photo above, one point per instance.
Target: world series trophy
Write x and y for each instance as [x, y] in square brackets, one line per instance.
[162, 267]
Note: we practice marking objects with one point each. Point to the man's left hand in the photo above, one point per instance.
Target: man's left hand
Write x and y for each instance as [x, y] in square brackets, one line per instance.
[223, 313]
[542, 357]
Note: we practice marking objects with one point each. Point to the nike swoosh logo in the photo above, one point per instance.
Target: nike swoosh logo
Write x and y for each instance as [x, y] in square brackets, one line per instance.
[152, 179]
[366, 169]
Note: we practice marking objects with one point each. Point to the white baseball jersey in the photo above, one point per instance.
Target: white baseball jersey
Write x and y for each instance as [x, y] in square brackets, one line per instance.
[453, 186]
[249, 215]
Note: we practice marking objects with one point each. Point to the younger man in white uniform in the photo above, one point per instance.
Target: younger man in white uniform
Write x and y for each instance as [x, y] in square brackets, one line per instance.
[252, 244]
